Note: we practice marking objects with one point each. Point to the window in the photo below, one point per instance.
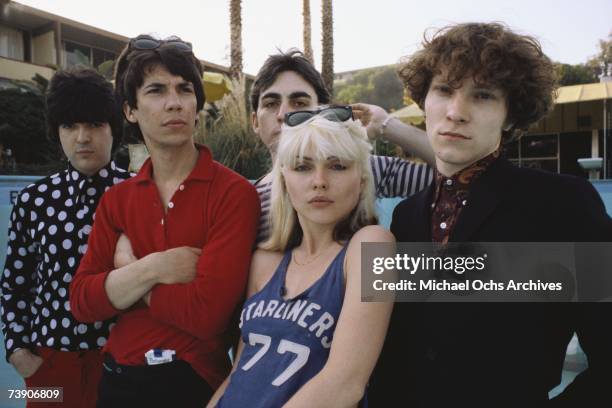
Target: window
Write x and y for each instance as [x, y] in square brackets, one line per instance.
[100, 56]
[77, 54]
[11, 43]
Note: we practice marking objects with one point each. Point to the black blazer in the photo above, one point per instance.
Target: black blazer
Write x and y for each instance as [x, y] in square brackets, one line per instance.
[499, 354]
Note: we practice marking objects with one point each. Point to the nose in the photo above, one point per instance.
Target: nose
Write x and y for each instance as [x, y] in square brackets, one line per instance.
[283, 109]
[83, 134]
[173, 101]
[457, 108]
[320, 181]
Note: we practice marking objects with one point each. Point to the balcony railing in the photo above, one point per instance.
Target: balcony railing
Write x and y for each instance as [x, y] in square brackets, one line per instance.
[14, 69]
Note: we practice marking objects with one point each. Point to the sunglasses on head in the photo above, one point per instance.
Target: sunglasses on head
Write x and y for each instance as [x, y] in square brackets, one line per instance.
[332, 113]
[150, 43]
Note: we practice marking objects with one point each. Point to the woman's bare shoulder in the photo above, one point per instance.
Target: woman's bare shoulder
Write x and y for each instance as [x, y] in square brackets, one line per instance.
[372, 233]
[263, 266]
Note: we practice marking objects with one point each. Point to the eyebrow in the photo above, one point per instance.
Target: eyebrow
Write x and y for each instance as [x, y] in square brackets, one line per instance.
[163, 85]
[330, 158]
[271, 95]
[485, 87]
[293, 95]
[299, 94]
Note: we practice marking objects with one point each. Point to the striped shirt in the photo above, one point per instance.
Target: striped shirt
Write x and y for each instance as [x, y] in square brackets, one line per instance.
[393, 177]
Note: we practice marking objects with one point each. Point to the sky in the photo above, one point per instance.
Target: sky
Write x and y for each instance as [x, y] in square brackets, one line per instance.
[367, 33]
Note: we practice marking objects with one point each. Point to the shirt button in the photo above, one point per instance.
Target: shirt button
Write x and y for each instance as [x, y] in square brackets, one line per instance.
[443, 225]
[449, 182]
[464, 203]
[182, 187]
[170, 204]
[118, 370]
[91, 201]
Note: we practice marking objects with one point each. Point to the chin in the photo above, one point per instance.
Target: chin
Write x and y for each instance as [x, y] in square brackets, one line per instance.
[176, 141]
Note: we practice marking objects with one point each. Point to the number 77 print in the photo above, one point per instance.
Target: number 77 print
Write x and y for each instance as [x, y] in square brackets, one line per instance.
[302, 352]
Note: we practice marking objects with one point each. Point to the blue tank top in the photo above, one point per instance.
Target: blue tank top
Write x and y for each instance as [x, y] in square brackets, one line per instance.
[286, 341]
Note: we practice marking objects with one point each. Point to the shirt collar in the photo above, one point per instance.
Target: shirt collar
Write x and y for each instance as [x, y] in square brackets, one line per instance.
[203, 170]
[75, 177]
[463, 179]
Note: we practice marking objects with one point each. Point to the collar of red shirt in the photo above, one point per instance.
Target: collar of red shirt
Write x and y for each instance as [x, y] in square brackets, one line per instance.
[202, 171]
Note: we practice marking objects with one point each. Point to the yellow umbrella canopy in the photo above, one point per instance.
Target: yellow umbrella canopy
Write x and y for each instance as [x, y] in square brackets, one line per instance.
[216, 85]
[411, 114]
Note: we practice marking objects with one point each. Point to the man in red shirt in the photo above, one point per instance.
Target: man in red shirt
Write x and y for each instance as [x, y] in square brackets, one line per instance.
[191, 224]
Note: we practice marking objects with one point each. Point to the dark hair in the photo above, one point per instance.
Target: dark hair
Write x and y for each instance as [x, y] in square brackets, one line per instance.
[493, 55]
[133, 64]
[293, 60]
[80, 94]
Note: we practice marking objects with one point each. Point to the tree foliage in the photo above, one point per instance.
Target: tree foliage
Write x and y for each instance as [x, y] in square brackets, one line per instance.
[574, 74]
[23, 130]
[226, 130]
[379, 86]
[602, 62]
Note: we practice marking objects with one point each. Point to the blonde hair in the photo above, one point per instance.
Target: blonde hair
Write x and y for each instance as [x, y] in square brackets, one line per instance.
[324, 138]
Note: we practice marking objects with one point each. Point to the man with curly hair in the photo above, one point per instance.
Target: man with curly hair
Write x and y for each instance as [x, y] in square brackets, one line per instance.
[480, 85]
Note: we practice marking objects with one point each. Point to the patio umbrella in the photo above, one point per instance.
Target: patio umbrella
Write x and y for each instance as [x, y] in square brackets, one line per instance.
[216, 85]
[411, 114]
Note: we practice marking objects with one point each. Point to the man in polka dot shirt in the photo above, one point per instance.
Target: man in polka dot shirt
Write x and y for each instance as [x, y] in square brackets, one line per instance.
[48, 233]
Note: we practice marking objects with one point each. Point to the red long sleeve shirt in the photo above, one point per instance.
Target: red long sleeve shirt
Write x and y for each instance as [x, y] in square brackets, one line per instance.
[214, 209]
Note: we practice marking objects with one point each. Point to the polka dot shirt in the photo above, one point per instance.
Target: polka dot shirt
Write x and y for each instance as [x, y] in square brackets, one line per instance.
[48, 231]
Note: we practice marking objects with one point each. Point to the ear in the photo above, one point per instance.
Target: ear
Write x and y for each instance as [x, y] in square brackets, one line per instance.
[255, 123]
[128, 112]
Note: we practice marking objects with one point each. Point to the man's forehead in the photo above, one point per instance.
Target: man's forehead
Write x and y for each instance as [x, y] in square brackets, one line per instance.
[161, 74]
[290, 84]
[467, 80]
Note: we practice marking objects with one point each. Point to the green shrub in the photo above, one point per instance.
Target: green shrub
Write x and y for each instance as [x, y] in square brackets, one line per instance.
[226, 129]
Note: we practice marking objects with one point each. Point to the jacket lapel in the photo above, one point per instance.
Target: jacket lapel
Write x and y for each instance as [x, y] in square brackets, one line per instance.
[422, 227]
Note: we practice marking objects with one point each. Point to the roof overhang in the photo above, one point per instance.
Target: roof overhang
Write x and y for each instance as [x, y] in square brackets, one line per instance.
[583, 93]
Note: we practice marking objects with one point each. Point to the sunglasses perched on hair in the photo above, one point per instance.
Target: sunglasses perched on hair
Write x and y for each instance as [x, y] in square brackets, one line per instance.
[150, 43]
[332, 113]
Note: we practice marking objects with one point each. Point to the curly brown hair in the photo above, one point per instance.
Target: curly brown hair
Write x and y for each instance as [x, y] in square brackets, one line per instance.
[494, 56]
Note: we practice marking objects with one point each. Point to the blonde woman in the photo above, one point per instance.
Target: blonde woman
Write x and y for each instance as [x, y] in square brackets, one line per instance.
[307, 339]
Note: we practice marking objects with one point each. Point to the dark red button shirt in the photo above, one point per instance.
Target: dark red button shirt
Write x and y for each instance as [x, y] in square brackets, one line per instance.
[452, 194]
[214, 209]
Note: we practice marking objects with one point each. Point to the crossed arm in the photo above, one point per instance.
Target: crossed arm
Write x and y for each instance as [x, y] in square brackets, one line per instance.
[181, 285]
[134, 278]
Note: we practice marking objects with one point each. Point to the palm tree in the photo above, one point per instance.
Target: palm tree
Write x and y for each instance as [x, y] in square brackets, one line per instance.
[235, 38]
[327, 58]
[307, 30]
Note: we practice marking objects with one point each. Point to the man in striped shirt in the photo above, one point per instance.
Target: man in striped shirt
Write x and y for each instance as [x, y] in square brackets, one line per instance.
[289, 82]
